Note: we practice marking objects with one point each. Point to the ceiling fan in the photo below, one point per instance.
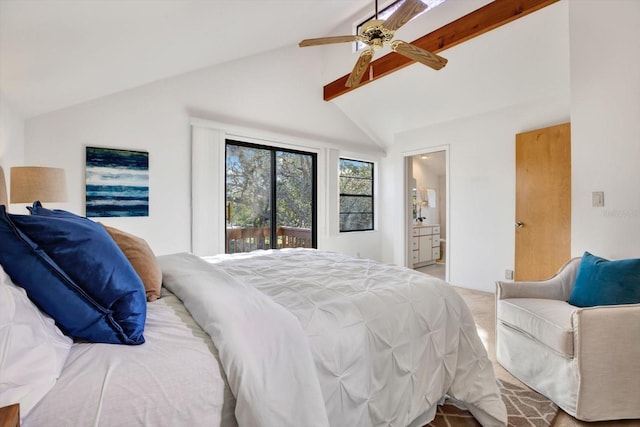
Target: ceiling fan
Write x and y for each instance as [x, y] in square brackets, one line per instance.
[376, 33]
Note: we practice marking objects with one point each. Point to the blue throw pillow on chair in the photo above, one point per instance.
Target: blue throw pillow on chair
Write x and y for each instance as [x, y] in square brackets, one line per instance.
[603, 282]
[74, 271]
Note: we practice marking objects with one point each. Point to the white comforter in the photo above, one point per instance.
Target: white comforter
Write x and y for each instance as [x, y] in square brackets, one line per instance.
[262, 348]
[387, 343]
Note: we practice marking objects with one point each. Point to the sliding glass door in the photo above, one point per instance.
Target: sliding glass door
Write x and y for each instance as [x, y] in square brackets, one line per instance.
[270, 198]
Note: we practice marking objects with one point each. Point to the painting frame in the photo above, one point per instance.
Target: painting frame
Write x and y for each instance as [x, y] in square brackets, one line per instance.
[116, 182]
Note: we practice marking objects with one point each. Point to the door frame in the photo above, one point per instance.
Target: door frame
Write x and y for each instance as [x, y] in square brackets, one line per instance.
[407, 235]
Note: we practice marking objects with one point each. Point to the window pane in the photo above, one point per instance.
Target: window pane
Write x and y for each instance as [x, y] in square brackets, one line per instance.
[356, 195]
[356, 222]
[349, 185]
[294, 199]
[248, 183]
[355, 168]
[355, 204]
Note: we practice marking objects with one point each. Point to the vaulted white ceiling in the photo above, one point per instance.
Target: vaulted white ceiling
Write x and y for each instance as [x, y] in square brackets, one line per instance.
[54, 54]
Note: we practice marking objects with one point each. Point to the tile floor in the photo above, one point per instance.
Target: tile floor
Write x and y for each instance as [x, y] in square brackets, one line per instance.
[437, 270]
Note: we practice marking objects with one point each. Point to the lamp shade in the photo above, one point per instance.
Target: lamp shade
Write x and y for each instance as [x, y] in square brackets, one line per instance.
[3, 189]
[31, 183]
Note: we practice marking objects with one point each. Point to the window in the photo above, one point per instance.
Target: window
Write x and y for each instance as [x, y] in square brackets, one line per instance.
[387, 11]
[270, 198]
[356, 195]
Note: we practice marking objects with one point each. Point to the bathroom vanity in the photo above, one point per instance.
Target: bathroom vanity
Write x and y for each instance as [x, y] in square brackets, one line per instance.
[426, 244]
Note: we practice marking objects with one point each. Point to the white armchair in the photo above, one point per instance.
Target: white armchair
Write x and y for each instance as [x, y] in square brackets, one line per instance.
[586, 360]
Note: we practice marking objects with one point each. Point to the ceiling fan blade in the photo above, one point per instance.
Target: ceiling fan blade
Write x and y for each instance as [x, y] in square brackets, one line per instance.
[417, 54]
[359, 68]
[328, 40]
[404, 14]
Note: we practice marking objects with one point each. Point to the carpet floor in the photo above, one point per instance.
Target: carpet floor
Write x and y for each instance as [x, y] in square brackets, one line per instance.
[482, 307]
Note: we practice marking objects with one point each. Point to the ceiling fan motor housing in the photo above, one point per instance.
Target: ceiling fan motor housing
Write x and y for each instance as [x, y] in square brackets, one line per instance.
[374, 34]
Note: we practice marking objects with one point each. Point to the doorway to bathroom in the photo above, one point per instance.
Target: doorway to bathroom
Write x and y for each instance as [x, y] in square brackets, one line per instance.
[427, 222]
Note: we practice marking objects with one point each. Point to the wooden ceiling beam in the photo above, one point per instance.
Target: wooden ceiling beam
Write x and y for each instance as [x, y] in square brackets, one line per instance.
[478, 22]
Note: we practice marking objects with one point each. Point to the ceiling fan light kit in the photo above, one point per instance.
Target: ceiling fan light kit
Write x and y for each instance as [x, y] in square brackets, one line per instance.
[377, 33]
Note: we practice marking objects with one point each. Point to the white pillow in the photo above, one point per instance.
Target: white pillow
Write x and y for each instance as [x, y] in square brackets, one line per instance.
[32, 348]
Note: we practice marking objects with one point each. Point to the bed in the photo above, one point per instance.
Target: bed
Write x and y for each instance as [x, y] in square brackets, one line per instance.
[295, 337]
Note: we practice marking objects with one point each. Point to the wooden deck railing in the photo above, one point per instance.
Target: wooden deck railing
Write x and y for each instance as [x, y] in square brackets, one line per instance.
[245, 239]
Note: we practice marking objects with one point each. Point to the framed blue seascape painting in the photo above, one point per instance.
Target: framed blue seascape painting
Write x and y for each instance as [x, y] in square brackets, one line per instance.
[117, 182]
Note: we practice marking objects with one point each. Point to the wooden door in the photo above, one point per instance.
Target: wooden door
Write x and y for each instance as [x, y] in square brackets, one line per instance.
[543, 201]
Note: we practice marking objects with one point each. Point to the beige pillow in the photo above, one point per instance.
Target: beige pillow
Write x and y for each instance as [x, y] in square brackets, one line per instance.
[142, 258]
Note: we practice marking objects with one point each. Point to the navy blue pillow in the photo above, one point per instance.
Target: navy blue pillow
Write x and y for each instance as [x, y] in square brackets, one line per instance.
[603, 282]
[38, 209]
[74, 271]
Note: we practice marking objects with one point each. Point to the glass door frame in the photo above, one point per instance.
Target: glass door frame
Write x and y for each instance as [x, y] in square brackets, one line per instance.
[273, 172]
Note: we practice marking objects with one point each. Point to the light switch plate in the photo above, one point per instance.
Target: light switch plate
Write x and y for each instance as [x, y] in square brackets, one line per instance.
[597, 199]
[508, 274]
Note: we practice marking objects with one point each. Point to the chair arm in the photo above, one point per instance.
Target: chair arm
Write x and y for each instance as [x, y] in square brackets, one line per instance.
[557, 287]
[607, 351]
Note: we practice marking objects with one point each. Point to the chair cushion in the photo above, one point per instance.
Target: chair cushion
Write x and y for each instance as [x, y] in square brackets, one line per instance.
[545, 320]
[603, 282]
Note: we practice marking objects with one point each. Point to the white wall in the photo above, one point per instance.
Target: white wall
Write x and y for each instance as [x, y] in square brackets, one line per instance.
[605, 126]
[603, 105]
[480, 234]
[12, 144]
[278, 91]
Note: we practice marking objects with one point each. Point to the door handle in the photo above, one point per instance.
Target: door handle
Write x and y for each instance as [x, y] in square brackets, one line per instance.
[519, 224]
